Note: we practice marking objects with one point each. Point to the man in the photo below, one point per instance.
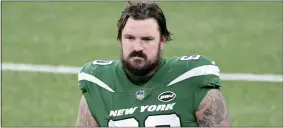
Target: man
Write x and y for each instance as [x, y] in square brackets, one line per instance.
[145, 90]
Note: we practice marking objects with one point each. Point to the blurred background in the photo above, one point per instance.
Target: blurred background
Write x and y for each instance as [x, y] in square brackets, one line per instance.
[242, 37]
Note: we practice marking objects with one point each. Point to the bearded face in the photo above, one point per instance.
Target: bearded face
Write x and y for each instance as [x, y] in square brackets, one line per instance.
[141, 46]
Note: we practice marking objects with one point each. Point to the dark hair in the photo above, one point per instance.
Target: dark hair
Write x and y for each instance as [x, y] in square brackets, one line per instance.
[141, 11]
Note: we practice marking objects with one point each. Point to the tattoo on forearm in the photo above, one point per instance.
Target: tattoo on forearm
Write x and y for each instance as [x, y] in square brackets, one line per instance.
[213, 110]
[85, 118]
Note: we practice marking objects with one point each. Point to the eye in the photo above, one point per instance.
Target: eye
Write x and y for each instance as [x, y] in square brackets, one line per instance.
[130, 38]
[147, 39]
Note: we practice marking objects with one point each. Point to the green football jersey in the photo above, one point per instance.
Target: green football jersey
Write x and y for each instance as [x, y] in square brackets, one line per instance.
[170, 98]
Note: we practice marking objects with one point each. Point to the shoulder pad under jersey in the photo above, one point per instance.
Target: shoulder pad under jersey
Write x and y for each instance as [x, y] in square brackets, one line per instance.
[198, 66]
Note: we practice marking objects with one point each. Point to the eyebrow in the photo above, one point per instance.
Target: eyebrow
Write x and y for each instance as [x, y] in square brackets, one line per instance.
[144, 37]
[128, 35]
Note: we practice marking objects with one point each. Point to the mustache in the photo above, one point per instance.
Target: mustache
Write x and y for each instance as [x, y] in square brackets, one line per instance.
[138, 54]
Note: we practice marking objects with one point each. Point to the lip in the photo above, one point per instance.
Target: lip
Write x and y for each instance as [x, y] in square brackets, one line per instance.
[136, 57]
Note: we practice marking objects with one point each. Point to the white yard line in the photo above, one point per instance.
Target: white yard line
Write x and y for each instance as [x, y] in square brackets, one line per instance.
[40, 68]
[75, 70]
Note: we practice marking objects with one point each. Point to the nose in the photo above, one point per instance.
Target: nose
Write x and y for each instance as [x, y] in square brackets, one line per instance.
[138, 46]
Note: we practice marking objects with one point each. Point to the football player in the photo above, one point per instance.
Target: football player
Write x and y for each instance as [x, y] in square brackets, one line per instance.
[143, 89]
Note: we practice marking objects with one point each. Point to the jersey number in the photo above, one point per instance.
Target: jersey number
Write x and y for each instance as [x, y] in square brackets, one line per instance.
[193, 57]
[171, 120]
[102, 62]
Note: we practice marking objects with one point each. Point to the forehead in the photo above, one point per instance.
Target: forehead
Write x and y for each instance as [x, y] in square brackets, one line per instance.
[147, 27]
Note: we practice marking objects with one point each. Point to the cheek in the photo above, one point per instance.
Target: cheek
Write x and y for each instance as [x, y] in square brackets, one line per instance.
[126, 50]
[152, 50]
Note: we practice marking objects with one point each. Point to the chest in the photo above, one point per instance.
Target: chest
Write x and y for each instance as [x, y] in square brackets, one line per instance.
[151, 107]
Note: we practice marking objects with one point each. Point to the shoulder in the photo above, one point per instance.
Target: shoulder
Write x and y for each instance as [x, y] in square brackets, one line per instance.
[201, 65]
[96, 66]
[96, 72]
[200, 69]
[193, 62]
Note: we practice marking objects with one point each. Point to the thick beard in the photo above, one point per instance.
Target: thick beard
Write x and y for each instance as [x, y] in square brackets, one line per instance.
[141, 71]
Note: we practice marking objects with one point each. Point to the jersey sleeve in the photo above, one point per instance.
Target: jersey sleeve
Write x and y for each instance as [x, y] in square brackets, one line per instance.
[93, 76]
[208, 77]
[90, 82]
[82, 84]
[202, 71]
[211, 77]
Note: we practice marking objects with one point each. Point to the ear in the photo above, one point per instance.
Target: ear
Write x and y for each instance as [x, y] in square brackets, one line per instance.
[162, 42]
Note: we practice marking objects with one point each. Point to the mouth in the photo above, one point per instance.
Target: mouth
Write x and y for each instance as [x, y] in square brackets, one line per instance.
[137, 57]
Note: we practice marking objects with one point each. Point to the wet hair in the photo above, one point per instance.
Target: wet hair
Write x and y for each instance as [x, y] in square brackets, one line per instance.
[141, 10]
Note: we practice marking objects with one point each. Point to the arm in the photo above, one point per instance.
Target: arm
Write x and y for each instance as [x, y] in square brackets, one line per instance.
[85, 119]
[213, 110]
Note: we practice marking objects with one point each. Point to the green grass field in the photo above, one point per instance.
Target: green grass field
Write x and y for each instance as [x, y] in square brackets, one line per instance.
[242, 37]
